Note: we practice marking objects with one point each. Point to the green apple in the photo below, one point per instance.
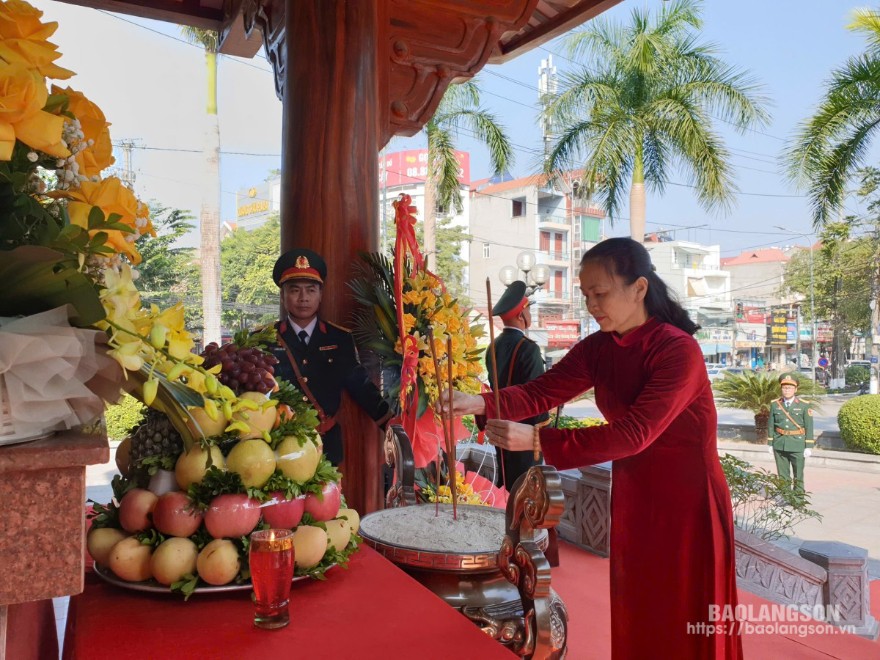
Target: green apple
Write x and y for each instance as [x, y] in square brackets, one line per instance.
[192, 465]
[297, 462]
[218, 563]
[309, 545]
[338, 533]
[173, 559]
[100, 542]
[253, 460]
[130, 560]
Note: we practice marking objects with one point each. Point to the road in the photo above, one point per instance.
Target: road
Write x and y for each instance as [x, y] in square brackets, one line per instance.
[824, 418]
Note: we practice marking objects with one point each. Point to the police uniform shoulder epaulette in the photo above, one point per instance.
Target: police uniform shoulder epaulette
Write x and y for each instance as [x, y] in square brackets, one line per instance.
[338, 327]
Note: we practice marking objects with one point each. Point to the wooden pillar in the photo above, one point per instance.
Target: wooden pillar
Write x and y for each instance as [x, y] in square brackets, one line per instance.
[329, 171]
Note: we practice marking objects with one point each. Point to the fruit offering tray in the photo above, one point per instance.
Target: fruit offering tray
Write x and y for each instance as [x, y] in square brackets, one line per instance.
[153, 587]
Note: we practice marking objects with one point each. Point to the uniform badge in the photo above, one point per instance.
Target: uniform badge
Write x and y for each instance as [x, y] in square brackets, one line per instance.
[810, 412]
[328, 348]
[302, 262]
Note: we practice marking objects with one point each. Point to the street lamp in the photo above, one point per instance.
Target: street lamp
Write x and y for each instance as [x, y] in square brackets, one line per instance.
[535, 275]
[813, 336]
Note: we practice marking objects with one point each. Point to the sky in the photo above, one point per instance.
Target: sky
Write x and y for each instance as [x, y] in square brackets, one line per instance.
[150, 84]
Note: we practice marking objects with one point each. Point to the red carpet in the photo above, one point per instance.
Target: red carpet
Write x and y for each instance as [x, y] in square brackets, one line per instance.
[581, 579]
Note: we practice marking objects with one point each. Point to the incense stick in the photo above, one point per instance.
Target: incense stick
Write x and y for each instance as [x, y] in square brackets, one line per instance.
[494, 370]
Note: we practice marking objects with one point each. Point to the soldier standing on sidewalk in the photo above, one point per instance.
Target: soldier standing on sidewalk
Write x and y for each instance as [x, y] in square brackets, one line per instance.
[791, 426]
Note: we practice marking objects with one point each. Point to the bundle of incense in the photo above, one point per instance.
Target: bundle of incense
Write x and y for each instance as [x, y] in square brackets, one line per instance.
[494, 367]
[537, 451]
[448, 438]
[450, 434]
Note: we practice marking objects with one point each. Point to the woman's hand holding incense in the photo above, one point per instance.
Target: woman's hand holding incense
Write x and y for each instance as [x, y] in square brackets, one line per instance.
[462, 404]
[510, 435]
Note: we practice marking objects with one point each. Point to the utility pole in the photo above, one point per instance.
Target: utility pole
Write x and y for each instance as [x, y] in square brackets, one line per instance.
[875, 326]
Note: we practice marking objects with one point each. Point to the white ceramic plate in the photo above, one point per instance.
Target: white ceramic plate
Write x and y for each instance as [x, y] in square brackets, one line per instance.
[153, 587]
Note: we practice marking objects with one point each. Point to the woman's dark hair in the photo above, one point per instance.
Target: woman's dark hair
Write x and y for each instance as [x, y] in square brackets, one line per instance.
[630, 260]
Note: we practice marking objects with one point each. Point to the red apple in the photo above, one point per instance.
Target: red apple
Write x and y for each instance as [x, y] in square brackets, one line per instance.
[281, 513]
[324, 506]
[231, 516]
[135, 510]
[175, 515]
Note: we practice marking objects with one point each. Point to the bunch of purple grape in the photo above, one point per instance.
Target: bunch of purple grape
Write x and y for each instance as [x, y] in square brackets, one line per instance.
[244, 369]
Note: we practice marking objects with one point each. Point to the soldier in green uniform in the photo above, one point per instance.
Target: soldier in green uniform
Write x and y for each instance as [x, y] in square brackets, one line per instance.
[316, 355]
[791, 426]
[519, 361]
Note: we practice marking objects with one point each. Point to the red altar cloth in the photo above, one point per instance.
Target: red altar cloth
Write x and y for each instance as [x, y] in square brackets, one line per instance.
[372, 610]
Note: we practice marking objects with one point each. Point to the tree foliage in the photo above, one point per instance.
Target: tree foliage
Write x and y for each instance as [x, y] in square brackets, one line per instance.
[840, 290]
[830, 146]
[644, 100]
[168, 272]
[250, 296]
[449, 264]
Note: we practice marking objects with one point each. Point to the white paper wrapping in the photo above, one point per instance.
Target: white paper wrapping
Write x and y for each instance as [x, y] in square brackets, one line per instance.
[52, 376]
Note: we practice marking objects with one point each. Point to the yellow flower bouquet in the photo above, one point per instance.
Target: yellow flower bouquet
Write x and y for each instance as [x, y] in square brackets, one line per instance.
[428, 310]
[68, 239]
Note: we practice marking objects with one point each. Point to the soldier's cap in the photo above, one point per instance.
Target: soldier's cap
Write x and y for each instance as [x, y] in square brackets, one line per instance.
[512, 301]
[299, 264]
[787, 379]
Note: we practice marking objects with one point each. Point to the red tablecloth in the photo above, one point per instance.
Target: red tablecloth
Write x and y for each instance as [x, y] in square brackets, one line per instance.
[372, 610]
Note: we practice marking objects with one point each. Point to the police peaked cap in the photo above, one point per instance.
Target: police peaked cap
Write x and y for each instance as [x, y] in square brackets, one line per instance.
[299, 264]
[787, 379]
[512, 301]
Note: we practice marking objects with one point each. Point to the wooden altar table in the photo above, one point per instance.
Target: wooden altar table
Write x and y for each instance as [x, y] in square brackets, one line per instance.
[372, 610]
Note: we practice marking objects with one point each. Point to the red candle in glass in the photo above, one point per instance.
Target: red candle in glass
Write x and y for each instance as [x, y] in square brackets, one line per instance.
[271, 562]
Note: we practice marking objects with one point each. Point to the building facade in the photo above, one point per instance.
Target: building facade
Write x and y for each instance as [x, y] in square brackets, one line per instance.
[546, 219]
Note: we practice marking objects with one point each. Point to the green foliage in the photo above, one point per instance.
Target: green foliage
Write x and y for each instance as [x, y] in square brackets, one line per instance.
[250, 296]
[756, 390]
[169, 273]
[764, 503]
[835, 287]
[449, 265]
[749, 390]
[859, 421]
[568, 422]
[460, 109]
[644, 102]
[857, 375]
[122, 417]
[831, 145]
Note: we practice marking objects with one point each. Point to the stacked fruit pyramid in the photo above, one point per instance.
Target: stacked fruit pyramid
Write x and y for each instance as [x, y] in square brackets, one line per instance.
[181, 515]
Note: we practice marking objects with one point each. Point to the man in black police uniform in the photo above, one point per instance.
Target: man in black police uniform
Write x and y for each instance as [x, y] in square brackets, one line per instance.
[317, 356]
[519, 361]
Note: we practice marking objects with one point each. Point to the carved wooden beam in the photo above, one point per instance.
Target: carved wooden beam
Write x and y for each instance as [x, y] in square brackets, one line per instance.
[431, 43]
[424, 46]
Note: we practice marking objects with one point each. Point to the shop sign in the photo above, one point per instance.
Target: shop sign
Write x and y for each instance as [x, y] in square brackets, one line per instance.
[562, 334]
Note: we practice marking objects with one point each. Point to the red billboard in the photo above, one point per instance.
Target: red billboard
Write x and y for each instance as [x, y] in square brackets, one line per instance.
[562, 334]
[409, 168]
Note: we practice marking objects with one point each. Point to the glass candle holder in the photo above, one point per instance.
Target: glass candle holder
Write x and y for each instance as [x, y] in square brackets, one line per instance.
[271, 562]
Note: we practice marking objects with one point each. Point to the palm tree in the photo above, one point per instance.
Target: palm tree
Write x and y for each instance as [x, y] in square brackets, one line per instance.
[642, 104]
[830, 146]
[209, 214]
[459, 108]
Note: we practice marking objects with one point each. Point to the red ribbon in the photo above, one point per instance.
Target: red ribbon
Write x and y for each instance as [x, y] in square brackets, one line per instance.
[405, 222]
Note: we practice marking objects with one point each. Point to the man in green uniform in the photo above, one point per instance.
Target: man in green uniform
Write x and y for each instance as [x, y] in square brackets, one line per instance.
[317, 356]
[519, 361]
[791, 426]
